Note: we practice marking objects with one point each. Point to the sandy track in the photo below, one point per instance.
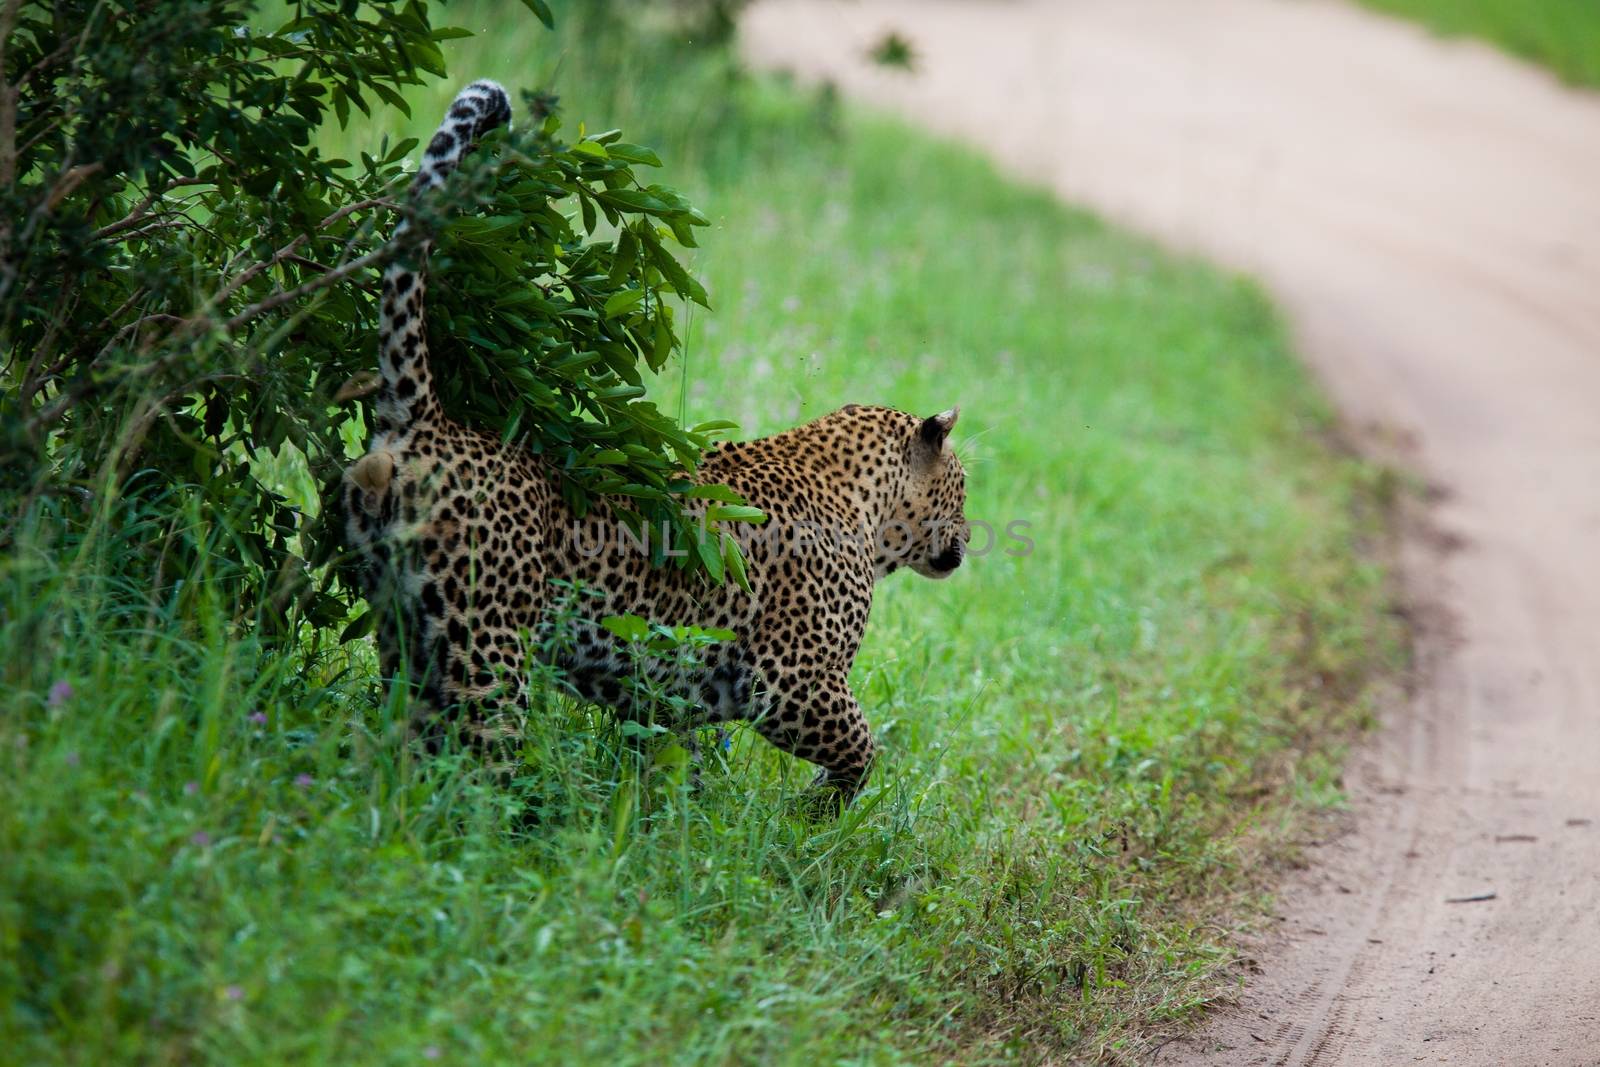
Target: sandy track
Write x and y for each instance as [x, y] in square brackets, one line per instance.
[1429, 216]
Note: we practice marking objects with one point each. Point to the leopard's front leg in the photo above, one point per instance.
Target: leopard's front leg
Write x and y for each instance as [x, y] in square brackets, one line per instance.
[812, 714]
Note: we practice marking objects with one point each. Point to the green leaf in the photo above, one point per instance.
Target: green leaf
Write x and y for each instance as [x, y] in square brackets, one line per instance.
[400, 151]
[710, 555]
[672, 270]
[713, 426]
[735, 513]
[681, 231]
[359, 627]
[428, 57]
[634, 153]
[636, 201]
[623, 259]
[714, 492]
[672, 757]
[477, 226]
[733, 561]
[392, 98]
[541, 11]
[591, 149]
[628, 628]
[622, 300]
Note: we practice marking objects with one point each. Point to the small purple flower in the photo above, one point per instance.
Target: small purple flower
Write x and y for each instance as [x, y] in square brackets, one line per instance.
[60, 693]
[234, 992]
[431, 1052]
[201, 839]
[191, 788]
[304, 781]
[72, 759]
[259, 718]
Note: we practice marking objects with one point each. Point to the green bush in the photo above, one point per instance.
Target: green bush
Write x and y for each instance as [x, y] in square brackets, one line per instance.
[187, 284]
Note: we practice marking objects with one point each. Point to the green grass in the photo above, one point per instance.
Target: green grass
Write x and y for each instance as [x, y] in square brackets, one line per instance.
[215, 855]
[1563, 35]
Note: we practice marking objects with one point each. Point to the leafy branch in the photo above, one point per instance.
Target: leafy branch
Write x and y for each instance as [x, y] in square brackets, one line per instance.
[186, 280]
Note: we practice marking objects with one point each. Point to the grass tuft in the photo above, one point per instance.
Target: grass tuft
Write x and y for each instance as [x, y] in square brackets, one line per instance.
[1563, 35]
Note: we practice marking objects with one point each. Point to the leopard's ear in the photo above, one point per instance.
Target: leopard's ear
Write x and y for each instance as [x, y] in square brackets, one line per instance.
[936, 428]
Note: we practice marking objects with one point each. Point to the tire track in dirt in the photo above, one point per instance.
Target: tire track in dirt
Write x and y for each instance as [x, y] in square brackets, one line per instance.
[1428, 215]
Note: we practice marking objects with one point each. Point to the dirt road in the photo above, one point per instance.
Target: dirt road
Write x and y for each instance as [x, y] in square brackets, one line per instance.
[1429, 216]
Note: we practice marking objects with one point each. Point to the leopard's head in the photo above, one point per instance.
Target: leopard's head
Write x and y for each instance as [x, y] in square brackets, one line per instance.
[928, 531]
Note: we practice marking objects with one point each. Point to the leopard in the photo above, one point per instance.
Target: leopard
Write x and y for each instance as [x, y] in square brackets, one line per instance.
[469, 548]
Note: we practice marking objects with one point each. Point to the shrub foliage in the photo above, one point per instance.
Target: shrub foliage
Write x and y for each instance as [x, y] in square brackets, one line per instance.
[187, 284]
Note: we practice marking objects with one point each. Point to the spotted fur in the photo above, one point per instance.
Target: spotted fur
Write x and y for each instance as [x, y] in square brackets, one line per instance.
[463, 536]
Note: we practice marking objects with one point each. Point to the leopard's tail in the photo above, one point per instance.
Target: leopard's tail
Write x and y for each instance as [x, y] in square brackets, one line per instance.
[406, 395]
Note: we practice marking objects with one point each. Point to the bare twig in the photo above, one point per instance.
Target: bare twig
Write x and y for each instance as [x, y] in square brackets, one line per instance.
[289, 296]
[46, 61]
[140, 212]
[187, 328]
[359, 205]
[78, 350]
[8, 143]
[1472, 898]
[136, 324]
[58, 316]
[253, 271]
[152, 227]
[321, 268]
[8, 100]
[67, 398]
[69, 180]
[287, 252]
